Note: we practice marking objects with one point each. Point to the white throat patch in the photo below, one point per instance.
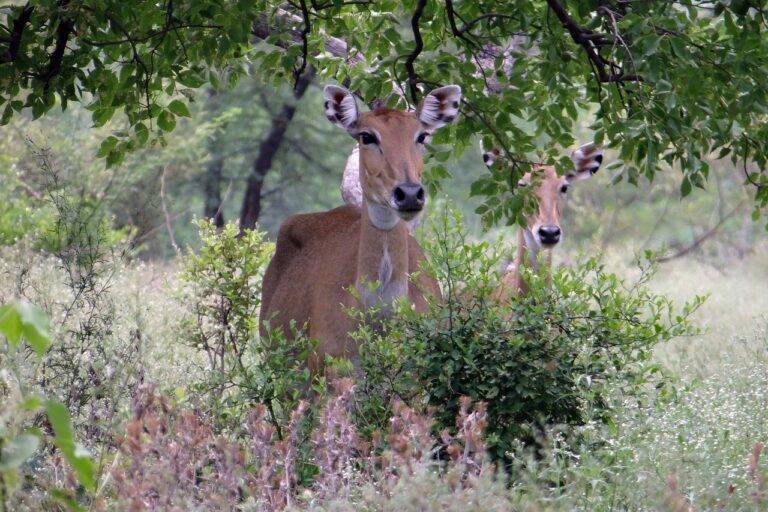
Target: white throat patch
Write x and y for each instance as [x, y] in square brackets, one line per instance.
[382, 217]
[533, 247]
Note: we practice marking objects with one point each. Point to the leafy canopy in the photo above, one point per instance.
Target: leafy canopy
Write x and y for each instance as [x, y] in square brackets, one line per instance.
[667, 83]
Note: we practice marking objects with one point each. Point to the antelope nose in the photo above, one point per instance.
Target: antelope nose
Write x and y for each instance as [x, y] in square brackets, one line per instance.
[409, 197]
[549, 234]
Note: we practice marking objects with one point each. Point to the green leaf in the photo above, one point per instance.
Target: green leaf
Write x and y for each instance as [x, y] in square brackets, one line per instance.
[142, 133]
[22, 318]
[685, 187]
[76, 455]
[7, 113]
[166, 121]
[34, 326]
[114, 157]
[102, 115]
[10, 324]
[106, 146]
[17, 451]
[179, 108]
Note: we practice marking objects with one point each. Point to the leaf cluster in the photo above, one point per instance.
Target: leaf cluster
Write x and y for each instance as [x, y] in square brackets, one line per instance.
[557, 356]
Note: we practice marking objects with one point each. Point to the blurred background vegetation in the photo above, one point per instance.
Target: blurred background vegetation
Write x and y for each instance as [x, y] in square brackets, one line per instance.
[226, 156]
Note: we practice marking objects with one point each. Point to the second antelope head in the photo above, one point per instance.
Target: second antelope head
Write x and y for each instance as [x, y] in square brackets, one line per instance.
[543, 229]
[392, 149]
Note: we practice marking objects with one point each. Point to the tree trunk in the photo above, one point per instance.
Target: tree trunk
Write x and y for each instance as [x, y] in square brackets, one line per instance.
[212, 179]
[267, 150]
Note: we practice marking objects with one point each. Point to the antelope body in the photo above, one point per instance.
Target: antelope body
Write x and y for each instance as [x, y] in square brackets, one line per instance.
[320, 256]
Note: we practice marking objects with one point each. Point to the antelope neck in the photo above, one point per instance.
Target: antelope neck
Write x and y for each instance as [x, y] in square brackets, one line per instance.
[382, 260]
[382, 217]
[527, 246]
[528, 255]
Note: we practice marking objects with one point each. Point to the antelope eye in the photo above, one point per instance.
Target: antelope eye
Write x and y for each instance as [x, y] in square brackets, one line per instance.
[522, 183]
[564, 189]
[367, 138]
[422, 138]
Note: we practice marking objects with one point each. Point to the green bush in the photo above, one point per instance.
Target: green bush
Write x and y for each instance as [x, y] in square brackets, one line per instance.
[222, 296]
[553, 357]
[19, 441]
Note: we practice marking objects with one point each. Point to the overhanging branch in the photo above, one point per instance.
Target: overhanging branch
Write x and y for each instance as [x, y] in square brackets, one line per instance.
[418, 46]
[17, 31]
[590, 41]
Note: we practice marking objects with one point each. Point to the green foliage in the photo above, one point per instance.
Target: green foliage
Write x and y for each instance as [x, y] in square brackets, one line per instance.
[22, 320]
[555, 356]
[669, 85]
[223, 296]
[119, 57]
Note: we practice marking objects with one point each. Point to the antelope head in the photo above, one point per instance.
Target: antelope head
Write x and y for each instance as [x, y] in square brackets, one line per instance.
[543, 229]
[392, 149]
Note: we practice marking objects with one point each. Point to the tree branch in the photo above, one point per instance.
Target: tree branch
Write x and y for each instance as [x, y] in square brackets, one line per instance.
[468, 25]
[63, 31]
[304, 43]
[452, 22]
[268, 148]
[590, 41]
[17, 31]
[417, 48]
[700, 239]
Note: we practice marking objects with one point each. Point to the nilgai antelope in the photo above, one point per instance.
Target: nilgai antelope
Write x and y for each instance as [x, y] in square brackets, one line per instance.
[320, 256]
[543, 229]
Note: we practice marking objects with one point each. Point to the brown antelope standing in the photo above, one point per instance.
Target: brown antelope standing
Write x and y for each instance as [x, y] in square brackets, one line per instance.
[543, 230]
[319, 256]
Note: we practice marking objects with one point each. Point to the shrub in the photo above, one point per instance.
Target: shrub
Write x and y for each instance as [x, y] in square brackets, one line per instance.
[173, 460]
[553, 357]
[222, 296]
[19, 442]
[86, 369]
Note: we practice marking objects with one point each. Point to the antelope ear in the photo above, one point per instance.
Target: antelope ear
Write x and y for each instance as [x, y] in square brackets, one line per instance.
[587, 160]
[489, 156]
[340, 107]
[440, 107]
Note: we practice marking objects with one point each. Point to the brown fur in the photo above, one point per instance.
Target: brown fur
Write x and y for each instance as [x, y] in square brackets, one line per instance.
[547, 189]
[550, 206]
[314, 266]
[320, 256]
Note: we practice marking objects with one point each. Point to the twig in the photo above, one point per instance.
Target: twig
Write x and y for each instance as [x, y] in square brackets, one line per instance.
[747, 174]
[590, 40]
[700, 239]
[168, 225]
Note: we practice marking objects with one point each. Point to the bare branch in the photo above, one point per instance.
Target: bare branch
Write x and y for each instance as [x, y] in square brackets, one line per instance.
[698, 241]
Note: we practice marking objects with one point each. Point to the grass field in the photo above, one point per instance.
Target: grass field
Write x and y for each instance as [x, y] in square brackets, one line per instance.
[696, 449]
